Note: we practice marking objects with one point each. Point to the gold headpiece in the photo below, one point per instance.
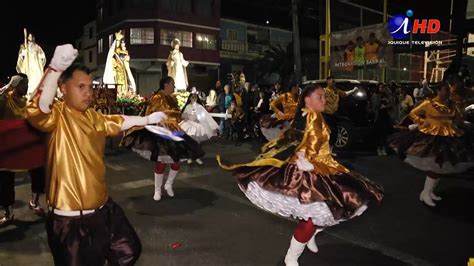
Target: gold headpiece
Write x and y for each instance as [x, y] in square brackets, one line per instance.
[119, 35]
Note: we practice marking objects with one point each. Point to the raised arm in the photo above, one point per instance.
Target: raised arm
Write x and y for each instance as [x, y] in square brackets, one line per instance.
[347, 93]
[39, 109]
[131, 121]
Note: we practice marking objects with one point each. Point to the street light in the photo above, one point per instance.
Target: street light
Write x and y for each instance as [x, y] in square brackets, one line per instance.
[404, 69]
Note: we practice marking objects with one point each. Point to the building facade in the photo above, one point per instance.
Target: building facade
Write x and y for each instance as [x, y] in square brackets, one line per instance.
[241, 43]
[150, 26]
[214, 46]
[87, 46]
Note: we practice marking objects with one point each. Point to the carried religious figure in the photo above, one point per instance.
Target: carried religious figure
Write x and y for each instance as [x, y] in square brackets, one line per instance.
[177, 66]
[31, 61]
[117, 68]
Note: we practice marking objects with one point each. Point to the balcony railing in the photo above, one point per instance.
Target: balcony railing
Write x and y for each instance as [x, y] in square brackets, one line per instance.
[233, 46]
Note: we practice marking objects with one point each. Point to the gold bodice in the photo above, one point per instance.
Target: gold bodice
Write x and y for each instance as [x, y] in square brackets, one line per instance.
[436, 118]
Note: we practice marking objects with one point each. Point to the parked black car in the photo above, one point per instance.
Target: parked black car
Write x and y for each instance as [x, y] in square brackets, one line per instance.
[355, 121]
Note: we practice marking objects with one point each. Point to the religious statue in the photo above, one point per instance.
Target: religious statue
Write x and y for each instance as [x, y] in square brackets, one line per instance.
[31, 61]
[117, 68]
[177, 66]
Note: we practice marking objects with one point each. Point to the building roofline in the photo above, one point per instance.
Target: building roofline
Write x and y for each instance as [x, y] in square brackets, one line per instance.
[255, 25]
[164, 60]
[159, 20]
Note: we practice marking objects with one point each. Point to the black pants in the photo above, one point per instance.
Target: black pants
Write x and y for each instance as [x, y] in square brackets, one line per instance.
[105, 236]
[331, 120]
[7, 188]
[7, 185]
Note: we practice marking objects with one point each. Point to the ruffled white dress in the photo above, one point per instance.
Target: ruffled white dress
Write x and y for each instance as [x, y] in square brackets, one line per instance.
[198, 123]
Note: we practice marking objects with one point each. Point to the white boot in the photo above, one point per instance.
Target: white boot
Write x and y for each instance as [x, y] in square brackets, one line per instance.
[294, 252]
[169, 182]
[158, 183]
[432, 194]
[312, 243]
[427, 190]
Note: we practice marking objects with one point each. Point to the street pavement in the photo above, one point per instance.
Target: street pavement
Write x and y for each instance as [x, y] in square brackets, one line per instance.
[210, 222]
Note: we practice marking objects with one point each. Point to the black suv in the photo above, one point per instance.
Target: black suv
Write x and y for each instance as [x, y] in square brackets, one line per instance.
[355, 121]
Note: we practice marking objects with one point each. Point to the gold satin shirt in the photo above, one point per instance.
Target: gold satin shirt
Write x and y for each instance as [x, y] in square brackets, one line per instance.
[289, 103]
[315, 145]
[168, 105]
[332, 99]
[435, 118]
[12, 107]
[75, 154]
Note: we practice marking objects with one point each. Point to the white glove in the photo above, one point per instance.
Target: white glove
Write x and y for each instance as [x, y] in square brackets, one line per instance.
[132, 121]
[412, 127]
[156, 117]
[303, 164]
[470, 107]
[63, 57]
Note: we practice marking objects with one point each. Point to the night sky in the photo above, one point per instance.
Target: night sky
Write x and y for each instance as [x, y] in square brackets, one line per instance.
[52, 22]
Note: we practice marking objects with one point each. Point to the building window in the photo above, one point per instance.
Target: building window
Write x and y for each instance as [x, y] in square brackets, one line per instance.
[203, 7]
[205, 41]
[251, 36]
[167, 36]
[258, 36]
[111, 39]
[90, 56]
[231, 35]
[100, 46]
[142, 36]
[91, 32]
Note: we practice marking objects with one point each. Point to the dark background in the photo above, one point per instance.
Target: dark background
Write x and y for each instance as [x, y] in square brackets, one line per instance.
[56, 22]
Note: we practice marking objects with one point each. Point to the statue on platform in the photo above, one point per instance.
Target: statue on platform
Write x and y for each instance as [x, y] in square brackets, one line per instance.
[117, 68]
[177, 66]
[31, 61]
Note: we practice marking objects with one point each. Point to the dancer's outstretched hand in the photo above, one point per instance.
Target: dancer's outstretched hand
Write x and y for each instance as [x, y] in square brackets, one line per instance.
[156, 117]
[412, 127]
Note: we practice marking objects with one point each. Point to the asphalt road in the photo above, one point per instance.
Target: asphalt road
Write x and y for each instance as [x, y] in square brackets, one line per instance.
[210, 222]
